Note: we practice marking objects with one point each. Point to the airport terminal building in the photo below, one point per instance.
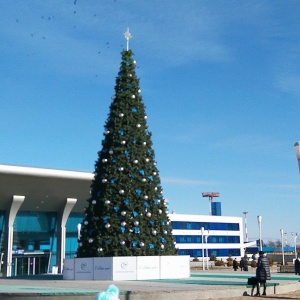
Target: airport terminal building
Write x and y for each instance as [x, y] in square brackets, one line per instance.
[40, 213]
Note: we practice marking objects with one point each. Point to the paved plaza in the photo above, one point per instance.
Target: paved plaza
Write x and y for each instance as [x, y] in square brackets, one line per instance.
[200, 285]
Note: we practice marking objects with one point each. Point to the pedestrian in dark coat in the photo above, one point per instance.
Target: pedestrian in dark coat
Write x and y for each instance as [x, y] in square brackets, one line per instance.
[242, 263]
[297, 266]
[262, 272]
[235, 264]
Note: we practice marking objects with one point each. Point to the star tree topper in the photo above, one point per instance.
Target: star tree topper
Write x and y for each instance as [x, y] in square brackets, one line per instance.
[128, 36]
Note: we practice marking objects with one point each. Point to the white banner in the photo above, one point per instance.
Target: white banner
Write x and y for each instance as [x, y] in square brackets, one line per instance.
[124, 268]
[174, 267]
[69, 269]
[103, 268]
[84, 268]
[147, 267]
[127, 268]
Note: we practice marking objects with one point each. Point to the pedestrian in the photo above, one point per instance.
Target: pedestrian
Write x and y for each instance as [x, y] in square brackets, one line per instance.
[297, 266]
[245, 265]
[235, 264]
[262, 272]
[242, 263]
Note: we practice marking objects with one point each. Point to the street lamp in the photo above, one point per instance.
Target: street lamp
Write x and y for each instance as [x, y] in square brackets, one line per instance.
[259, 219]
[295, 242]
[282, 248]
[297, 151]
[202, 233]
[206, 238]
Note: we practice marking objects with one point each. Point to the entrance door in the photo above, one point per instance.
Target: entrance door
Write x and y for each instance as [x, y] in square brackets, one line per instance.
[21, 266]
[29, 265]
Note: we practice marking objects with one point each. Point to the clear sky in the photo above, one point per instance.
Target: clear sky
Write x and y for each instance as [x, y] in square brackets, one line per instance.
[220, 81]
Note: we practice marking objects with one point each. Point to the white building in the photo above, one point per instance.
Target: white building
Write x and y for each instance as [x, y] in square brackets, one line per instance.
[220, 235]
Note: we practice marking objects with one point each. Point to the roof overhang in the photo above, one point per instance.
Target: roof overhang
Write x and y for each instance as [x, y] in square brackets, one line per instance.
[44, 189]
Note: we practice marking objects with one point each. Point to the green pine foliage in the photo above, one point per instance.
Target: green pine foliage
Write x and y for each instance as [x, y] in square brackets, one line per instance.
[126, 213]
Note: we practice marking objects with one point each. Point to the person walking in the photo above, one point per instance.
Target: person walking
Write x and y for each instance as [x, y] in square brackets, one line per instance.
[242, 263]
[235, 264]
[262, 272]
[297, 266]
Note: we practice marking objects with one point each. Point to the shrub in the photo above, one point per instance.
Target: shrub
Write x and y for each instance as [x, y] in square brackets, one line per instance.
[271, 262]
[195, 259]
[229, 263]
[212, 257]
[219, 263]
[253, 264]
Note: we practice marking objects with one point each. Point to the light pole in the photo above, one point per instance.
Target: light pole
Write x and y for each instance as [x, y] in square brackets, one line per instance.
[295, 243]
[297, 151]
[259, 219]
[206, 238]
[246, 230]
[202, 233]
[282, 248]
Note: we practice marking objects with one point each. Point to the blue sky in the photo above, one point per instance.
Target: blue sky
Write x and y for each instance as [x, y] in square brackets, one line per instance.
[220, 81]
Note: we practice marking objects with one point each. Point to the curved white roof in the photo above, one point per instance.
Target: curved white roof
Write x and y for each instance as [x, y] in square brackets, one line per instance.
[44, 189]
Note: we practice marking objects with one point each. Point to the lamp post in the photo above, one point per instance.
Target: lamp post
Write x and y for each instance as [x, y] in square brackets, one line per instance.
[259, 219]
[282, 248]
[297, 151]
[295, 243]
[202, 233]
[206, 238]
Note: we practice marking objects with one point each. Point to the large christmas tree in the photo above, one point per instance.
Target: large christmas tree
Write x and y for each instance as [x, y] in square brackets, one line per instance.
[126, 213]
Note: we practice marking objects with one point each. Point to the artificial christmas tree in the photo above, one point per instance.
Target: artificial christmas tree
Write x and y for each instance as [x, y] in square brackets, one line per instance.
[126, 213]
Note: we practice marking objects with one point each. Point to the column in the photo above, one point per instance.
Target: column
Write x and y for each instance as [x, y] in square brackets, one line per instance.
[17, 201]
[61, 232]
